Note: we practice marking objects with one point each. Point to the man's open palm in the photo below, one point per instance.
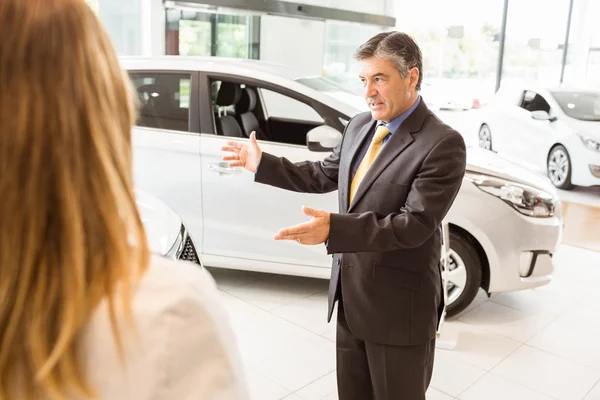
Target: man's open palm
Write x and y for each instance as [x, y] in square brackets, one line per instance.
[247, 156]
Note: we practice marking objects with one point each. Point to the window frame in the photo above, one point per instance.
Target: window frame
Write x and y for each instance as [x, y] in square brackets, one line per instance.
[208, 124]
[194, 115]
[267, 114]
[550, 109]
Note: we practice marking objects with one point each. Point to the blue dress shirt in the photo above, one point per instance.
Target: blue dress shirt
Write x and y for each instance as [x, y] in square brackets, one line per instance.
[392, 126]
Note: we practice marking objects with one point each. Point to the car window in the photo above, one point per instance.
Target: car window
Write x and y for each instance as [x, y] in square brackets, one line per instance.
[281, 106]
[533, 101]
[580, 105]
[164, 100]
[229, 103]
[240, 109]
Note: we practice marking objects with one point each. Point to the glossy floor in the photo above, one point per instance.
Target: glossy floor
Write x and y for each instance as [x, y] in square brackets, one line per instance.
[582, 225]
[532, 345]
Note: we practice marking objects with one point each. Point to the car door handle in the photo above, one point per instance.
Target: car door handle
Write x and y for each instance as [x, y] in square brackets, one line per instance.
[224, 169]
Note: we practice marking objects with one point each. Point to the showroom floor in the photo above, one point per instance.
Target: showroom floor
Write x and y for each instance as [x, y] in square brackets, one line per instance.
[530, 345]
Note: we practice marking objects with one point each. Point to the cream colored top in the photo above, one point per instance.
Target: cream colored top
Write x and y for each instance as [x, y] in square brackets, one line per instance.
[185, 348]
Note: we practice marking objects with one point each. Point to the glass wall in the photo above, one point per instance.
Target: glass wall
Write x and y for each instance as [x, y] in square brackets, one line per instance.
[235, 34]
[460, 43]
[535, 36]
[460, 40]
[212, 34]
[583, 58]
[460, 51]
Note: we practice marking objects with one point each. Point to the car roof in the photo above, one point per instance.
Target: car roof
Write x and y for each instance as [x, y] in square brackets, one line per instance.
[212, 64]
[274, 73]
[578, 89]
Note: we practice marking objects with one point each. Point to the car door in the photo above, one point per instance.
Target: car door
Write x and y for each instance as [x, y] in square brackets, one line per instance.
[510, 123]
[536, 135]
[498, 116]
[241, 216]
[166, 151]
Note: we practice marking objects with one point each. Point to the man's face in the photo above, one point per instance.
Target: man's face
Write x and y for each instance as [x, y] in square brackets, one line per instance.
[387, 93]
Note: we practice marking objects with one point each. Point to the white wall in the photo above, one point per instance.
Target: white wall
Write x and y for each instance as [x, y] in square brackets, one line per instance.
[299, 43]
[325, 47]
[320, 47]
[153, 27]
[136, 27]
[123, 21]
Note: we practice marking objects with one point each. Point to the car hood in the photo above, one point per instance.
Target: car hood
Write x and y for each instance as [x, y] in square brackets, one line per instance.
[161, 223]
[485, 162]
[590, 129]
[354, 104]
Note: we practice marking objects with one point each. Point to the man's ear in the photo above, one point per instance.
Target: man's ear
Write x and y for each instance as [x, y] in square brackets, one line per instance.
[414, 77]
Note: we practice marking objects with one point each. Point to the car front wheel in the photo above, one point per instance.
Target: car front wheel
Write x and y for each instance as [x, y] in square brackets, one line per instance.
[463, 275]
[485, 137]
[559, 168]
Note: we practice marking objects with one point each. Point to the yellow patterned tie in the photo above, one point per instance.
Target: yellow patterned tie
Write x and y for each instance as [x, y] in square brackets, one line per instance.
[365, 164]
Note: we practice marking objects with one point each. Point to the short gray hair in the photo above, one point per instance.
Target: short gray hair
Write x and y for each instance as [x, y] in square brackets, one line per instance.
[398, 47]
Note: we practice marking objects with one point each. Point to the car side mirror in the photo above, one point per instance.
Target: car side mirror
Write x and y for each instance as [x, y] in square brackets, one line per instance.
[541, 115]
[323, 138]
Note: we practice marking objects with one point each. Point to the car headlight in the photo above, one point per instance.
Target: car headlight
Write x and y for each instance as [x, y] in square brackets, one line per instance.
[589, 143]
[527, 200]
[178, 245]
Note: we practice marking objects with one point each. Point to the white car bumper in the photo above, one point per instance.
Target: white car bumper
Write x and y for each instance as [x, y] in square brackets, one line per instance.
[518, 248]
[586, 168]
[529, 244]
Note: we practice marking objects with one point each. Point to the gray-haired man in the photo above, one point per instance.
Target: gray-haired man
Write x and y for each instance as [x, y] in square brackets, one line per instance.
[398, 171]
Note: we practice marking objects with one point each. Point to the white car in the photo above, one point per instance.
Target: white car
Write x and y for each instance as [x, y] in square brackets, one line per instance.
[552, 131]
[166, 234]
[504, 226]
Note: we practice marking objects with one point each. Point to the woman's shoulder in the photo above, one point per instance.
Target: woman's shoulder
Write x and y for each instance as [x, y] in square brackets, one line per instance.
[200, 336]
[165, 273]
[182, 331]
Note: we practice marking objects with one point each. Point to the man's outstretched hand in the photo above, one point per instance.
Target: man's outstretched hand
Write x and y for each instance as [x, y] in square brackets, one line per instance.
[315, 231]
[247, 156]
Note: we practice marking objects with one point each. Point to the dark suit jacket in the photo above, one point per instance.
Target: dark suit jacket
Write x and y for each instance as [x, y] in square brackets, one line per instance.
[387, 243]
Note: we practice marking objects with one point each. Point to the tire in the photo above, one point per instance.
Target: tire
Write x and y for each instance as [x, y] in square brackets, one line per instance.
[559, 167]
[462, 255]
[485, 138]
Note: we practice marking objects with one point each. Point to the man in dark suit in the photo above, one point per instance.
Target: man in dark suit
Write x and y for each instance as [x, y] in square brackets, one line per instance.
[398, 170]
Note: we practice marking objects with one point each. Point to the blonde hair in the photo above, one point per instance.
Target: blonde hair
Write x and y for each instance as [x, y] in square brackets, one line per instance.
[70, 232]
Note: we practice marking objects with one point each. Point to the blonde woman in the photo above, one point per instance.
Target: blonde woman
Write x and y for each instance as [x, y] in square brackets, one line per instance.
[85, 311]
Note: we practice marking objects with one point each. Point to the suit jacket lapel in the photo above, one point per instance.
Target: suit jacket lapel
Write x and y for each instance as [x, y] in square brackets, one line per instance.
[399, 141]
[395, 145]
[347, 170]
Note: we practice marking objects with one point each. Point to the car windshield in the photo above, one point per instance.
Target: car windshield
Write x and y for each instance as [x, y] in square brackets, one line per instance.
[580, 105]
[343, 91]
